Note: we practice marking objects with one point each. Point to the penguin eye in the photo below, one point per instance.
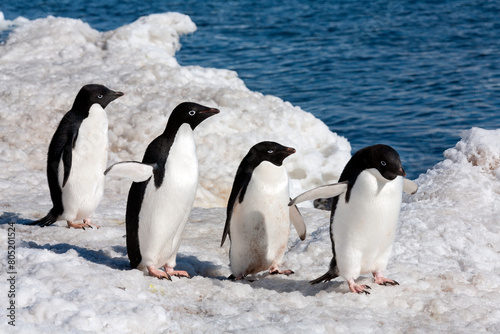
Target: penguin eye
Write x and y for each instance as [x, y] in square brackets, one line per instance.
[99, 96]
[383, 163]
[270, 151]
[191, 112]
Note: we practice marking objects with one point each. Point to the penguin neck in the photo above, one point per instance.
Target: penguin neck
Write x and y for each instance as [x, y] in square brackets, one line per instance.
[181, 139]
[173, 127]
[270, 174]
[81, 107]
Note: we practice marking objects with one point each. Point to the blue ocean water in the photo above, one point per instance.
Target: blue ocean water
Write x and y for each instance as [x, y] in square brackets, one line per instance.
[410, 74]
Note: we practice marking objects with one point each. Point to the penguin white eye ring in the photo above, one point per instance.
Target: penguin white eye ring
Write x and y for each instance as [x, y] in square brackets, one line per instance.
[99, 96]
[192, 113]
[383, 163]
[270, 151]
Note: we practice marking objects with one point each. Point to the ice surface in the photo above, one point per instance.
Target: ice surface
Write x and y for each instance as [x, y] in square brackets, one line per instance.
[446, 254]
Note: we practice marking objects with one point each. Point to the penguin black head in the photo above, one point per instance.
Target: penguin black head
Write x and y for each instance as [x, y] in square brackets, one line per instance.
[91, 94]
[385, 159]
[268, 151]
[191, 113]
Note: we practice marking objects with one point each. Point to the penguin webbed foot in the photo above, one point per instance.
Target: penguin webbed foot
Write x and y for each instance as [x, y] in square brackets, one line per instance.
[180, 273]
[240, 278]
[389, 283]
[160, 274]
[364, 290]
[358, 288]
[86, 223]
[381, 280]
[177, 273]
[276, 271]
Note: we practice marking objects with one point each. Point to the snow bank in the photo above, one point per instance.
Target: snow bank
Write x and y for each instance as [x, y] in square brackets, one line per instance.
[46, 61]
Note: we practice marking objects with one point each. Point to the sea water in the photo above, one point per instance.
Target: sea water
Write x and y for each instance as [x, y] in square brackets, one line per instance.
[410, 74]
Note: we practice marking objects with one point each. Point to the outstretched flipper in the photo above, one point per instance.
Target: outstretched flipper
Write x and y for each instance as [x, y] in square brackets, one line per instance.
[327, 191]
[132, 170]
[409, 186]
[298, 222]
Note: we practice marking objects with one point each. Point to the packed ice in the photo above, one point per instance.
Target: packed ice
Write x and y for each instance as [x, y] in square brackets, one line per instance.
[446, 253]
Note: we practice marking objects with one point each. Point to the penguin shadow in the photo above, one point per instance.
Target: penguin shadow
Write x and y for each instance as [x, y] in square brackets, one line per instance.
[196, 267]
[288, 285]
[13, 218]
[98, 257]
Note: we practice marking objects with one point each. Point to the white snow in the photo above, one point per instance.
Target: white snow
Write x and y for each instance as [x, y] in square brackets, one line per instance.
[8, 24]
[446, 253]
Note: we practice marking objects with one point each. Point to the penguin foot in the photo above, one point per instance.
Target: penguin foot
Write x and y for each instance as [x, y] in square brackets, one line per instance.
[177, 273]
[276, 271]
[381, 280]
[158, 273]
[240, 278]
[86, 223]
[357, 288]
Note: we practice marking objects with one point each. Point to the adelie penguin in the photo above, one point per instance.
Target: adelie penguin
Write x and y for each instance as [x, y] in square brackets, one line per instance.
[77, 158]
[365, 211]
[258, 216]
[161, 198]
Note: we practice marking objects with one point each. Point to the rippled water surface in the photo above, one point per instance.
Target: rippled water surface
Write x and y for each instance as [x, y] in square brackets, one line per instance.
[411, 74]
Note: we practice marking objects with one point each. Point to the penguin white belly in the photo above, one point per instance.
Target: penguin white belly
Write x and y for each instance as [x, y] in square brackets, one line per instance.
[85, 185]
[364, 228]
[165, 210]
[260, 225]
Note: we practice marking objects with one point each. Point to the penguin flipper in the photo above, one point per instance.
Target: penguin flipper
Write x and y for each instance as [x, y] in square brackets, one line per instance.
[327, 191]
[67, 156]
[233, 201]
[328, 276]
[49, 219]
[228, 223]
[409, 186]
[298, 222]
[132, 170]
[332, 272]
[134, 204]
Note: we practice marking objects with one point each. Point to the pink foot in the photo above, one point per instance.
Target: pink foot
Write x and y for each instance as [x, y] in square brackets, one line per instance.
[381, 280]
[158, 273]
[274, 270]
[177, 273]
[86, 223]
[357, 288]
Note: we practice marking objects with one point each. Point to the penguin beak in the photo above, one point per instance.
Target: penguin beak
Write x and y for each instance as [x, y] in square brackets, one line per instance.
[402, 172]
[290, 151]
[210, 112]
[115, 95]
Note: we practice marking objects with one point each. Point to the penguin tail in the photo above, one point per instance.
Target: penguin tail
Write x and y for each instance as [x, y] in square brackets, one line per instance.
[330, 274]
[49, 219]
